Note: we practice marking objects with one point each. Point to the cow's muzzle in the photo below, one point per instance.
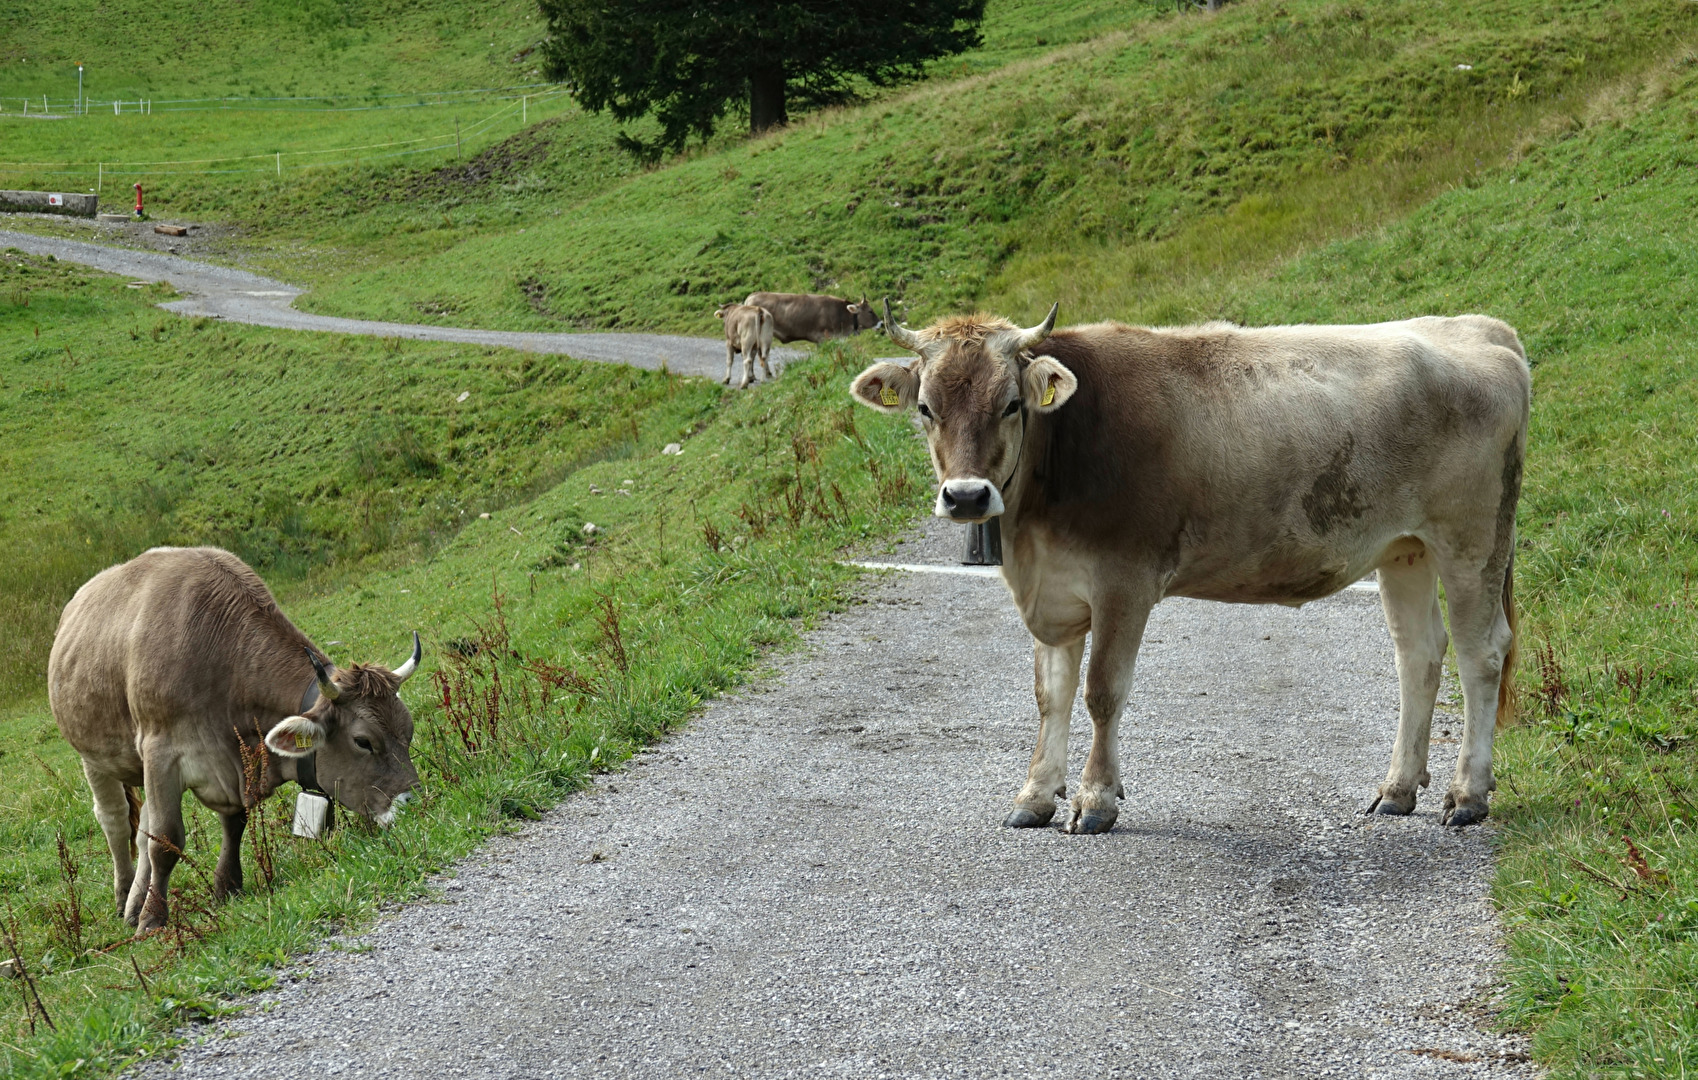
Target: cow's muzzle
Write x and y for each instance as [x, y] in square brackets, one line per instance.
[971, 501]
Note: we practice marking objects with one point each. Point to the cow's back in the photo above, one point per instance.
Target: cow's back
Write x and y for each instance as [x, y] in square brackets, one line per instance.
[804, 316]
[1250, 461]
[176, 635]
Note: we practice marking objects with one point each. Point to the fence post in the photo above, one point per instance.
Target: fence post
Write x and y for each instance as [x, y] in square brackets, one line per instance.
[100, 180]
[280, 163]
[525, 109]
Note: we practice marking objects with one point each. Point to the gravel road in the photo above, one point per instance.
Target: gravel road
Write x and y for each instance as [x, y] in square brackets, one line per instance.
[811, 881]
[220, 292]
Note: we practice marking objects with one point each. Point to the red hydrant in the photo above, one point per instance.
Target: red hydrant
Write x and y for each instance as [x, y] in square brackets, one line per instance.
[138, 199]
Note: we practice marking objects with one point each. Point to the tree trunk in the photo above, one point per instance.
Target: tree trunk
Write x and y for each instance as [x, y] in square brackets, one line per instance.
[766, 98]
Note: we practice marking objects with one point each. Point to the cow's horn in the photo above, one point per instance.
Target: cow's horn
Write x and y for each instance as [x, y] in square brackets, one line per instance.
[1032, 338]
[899, 333]
[403, 672]
[325, 686]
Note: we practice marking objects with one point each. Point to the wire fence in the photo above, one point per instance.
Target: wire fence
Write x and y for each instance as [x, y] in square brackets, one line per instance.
[46, 106]
[280, 161]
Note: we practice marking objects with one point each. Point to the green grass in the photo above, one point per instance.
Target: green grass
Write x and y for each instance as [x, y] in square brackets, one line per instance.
[125, 425]
[261, 48]
[714, 556]
[381, 172]
[1055, 169]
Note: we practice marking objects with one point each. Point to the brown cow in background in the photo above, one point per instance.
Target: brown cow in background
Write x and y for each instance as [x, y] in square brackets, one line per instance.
[167, 669]
[815, 318]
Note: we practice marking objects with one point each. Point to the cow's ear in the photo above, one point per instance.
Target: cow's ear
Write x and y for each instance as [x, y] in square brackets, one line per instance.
[295, 736]
[1048, 384]
[886, 387]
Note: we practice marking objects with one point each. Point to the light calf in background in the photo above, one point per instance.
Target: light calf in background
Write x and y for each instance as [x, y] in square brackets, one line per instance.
[748, 330]
[169, 670]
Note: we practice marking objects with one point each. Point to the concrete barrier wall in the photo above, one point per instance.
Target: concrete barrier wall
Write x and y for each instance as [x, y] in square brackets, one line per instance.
[48, 202]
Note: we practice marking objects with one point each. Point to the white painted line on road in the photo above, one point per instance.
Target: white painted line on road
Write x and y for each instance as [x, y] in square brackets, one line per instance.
[1365, 585]
[922, 568]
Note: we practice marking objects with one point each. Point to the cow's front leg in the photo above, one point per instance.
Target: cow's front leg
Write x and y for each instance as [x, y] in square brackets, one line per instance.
[730, 362]
[227, 878]
[1055, 681]
[1116, 630]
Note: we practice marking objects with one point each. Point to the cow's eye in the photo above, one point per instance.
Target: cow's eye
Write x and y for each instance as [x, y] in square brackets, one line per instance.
[363, 743]
[925, 412]
[1013, 407]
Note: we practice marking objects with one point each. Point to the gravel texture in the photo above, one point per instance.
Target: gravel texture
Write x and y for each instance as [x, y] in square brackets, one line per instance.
[811, 880]
[220, 292]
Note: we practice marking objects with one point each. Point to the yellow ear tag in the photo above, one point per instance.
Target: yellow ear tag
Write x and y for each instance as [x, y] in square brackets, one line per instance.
[889, 396]
[1049, 395]
[303, 742]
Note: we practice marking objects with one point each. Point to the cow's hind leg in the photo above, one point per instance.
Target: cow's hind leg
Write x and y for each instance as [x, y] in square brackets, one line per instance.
[112, 810]
[227, 877]
[1410, 595]
[163, 828]
[766, 368]
[1479, 625]
[1117, 628]
[1055, 679]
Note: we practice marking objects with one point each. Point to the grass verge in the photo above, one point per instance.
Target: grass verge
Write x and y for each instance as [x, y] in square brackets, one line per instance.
[552, 649]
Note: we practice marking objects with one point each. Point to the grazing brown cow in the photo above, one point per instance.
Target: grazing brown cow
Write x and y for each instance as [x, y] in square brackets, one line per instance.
[748, 330]
[1271, 465]
[810, 317]
[168, 669]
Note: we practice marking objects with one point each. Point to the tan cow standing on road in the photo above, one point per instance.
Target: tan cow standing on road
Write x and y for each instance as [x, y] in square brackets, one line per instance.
[1270, 465]
[165, 666]
[748, 330]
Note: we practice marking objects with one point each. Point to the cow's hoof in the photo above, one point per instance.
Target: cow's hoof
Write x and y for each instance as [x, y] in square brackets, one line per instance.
[1457, 815]
[1091, 822]
[1022, 818]
[1391, 806]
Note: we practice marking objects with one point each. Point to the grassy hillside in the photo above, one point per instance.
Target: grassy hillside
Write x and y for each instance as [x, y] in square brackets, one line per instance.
[262, 48]
[126, 426]
[1047, 167]
[394, 156]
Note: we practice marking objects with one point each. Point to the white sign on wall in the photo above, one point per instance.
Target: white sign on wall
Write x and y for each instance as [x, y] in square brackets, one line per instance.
[55, 200]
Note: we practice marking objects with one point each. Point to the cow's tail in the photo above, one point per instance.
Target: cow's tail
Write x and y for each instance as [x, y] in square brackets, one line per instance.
[1506, 682]
[133, 797]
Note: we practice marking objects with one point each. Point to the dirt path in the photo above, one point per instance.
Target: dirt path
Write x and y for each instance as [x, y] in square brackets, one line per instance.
[811, 881]
[223, 293]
